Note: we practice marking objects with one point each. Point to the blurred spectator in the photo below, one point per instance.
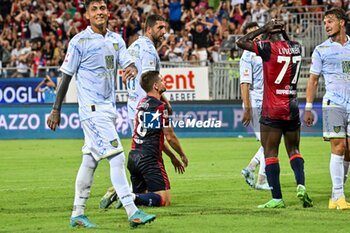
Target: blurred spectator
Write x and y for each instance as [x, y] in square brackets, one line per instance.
[49, 90]
[5, 52]
[35, 27]
[23, 65]
[199, 36]
[38, 62]
[174, 14]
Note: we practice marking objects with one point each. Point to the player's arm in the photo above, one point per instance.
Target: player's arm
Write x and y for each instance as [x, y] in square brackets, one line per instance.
[37, 88]
[175, 143]
[246, 103]
[310, 96]
[55, 116]
[246, 76]
[247, 41]
[179, 167]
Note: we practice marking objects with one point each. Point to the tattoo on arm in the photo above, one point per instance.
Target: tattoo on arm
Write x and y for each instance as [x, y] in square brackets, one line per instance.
[61, 91]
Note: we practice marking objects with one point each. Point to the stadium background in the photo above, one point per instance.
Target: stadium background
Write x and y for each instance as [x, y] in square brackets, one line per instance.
[35, 34]
[37, 176]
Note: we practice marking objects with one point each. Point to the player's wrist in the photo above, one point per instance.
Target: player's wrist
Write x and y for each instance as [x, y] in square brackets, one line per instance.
[308, 106]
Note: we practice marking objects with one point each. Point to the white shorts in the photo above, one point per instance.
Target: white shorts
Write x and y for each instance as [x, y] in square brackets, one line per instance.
[101, 137]
[256, 105]
[335, 120]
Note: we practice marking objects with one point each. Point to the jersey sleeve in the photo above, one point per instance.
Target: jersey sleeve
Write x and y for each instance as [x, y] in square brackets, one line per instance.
[125, 58]
[262, 49]
[245, 68]
[316, 62]
[73, 57]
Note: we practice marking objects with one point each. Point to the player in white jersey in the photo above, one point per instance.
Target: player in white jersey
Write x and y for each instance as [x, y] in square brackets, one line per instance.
[146, 59]
[332, 60]
[252, 87]
[92, 57]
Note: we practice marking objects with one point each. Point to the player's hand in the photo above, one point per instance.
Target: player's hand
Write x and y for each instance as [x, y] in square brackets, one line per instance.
[130, 72]
[179, 167]
[54, 119]
[247, 116]
[184, 160]
[308, 118]
[274, 24]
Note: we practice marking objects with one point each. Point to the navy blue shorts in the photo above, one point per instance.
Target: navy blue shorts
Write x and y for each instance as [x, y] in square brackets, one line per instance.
[284, 125]
[147, 173]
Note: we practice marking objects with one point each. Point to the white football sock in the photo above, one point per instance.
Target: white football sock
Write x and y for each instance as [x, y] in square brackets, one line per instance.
[120, 183]
[337, 174]
[262, 173]
[256, 159]
[83, 184]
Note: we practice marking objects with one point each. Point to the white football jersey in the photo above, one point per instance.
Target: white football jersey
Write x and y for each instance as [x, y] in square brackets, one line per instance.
[251, 71]
[332, 60]
[93, 60]
[146, 59]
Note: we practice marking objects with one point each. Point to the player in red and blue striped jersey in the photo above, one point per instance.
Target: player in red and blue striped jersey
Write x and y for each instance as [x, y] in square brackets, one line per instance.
[280, 113]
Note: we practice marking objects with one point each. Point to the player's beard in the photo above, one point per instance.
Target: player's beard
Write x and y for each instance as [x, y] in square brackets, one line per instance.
[161, 91]
[334, 34]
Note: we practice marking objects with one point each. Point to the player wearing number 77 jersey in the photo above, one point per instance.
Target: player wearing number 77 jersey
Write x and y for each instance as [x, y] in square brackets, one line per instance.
[280, 113]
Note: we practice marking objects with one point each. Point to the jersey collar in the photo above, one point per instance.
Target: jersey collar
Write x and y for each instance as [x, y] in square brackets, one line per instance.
[347, 42]
[92, 32]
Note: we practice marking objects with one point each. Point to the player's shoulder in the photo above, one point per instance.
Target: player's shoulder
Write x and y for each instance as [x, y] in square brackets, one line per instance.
[324, 45]
[247, 55]
[81, 37]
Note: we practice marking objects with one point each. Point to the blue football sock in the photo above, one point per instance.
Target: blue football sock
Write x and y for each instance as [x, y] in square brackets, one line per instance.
[148, 199]
[297, 164]
[273, 176]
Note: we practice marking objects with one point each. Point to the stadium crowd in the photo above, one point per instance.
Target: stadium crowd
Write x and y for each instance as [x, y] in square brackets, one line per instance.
[35, 33]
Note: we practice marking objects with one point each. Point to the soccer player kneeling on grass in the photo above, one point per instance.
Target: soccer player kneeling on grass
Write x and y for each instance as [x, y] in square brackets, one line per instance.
[148, 176]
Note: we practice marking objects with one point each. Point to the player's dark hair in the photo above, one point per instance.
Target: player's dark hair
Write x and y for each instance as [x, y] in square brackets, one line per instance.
[338, 12]
[152, 20]
[148, 79]
[88, 2]
[248, 26]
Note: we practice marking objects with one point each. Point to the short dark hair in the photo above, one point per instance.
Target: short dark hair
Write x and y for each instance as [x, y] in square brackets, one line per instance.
[151, 20]
[338, 12]
[88, 2]
[148, 79]
[248, 26]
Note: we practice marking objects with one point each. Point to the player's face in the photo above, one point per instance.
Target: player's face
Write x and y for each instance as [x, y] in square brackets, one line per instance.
[97, 13]
[158, 31]
[332, 25]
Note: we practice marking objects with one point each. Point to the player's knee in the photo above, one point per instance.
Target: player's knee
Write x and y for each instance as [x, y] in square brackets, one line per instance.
[117, 160]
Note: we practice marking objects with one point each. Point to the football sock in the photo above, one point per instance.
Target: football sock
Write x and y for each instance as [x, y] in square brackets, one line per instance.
[148, 199]
[346, 169]
[273, 176]
[120, 183]
[256, 159]
[83, 184]
[262, 172]
[336, 167]
[297, 164]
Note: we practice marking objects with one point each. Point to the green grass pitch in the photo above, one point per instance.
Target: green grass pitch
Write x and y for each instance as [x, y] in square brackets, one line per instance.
[37, 188]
